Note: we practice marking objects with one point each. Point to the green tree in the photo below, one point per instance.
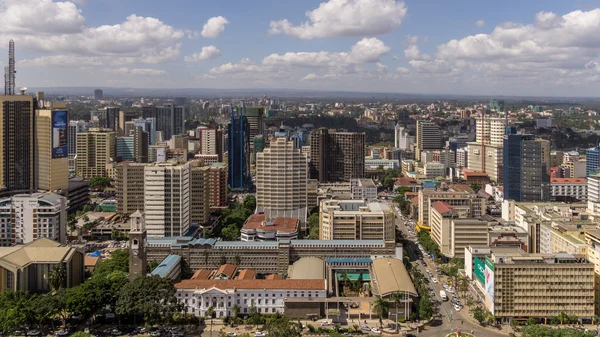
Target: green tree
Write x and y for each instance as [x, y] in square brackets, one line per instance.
[223, 259]
[210, 311]
[99, 182]
[381, 307]
[152, 264]
[84, 299]
[57, 277]
[397, 298]
[478, 314]
[425, 307]
[16, 310]
[237, 260]
[235, 311]
[476, 187]
[230, 233]
[250, 203]
[282, 327]
[119, 261]
[81, 334]
[313, 226]
[153, 297]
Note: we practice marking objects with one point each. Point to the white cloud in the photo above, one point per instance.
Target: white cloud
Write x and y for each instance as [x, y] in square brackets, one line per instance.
[244, 65]
[412, 40]
[347, 18]
[479, 23]
[137, 71]
[207, 53]
[381, 68]
[40, 17]
[310, 76]
[214, 27]
[402, 70]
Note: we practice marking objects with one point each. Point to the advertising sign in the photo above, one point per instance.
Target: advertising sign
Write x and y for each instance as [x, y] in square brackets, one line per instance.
[479, 270]
[489, 282]
[59, 134]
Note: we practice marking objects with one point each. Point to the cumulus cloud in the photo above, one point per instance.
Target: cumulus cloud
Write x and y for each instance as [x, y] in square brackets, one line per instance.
[244, 65]
[137, 71]
[479, 23]
[214, 27]
[310, 76]
[381, 68]
[40, 17]
[345, 18]
[207, 53]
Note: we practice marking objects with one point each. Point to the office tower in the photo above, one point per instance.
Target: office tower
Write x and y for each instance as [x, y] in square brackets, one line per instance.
[41, 100]
[180, 142]
[525, 174]
[402, 140]
[74, 128]
[125, 148]
[51, 149]
[167, 198]
[148, 111]
[140, 145]
[129, 185]
[255, 117]
[95, 148]
[428, 137]
[497, 105]
[98, 94]
[356, 220]
[462, 157]
[199, 194]
[218, 185]
[258, 147]
[27, 217]
[148, 125]
[486, 153]
[592, 161]
[170, 119]
[112, 118]
[239, 152]
[337, 156]
[124, 117]
[17, 145]
[9, 70]
[157, 153]
[281, 177]
[211, 142]
[593, 199]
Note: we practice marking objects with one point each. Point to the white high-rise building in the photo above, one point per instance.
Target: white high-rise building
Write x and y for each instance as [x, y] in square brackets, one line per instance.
[491, 131]
[402, 140]
[486, 153]
[593, 197]
[461, 157]
[167, 198]
[281, 177]
[74, 128]
[27, 217]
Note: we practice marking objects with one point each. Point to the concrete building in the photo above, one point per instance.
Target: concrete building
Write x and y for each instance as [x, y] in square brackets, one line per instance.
[508, 235]
[445, 157]
[95, 148]
[281, 177]
[74, 128]
[356, 220]
[592, 161]
[78, 195]
[25, 218]
[474, 203]
[593, 190]
[169, 268]
[26, 267]
[148, 125]
[17, 171]
[255, 116]
[363, 189]
[521, 285]
[124, 149]
[200, 191]
[592, 238]
[402, 139]
[211, 142]
[559, 238]
[336, 156]
[218, 185]
[170, 120]
[493, 160]
[261, 227]
[129, 185]
[167, 198]
[526, 173]
[565, 189]
[428, 137]
[433, 170]
[140, 145]
[51, 150]
[462, 157]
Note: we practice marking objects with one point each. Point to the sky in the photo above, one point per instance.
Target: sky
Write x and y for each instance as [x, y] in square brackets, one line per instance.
[468, 47]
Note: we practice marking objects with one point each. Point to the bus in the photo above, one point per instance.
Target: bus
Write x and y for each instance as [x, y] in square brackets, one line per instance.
[443, 295]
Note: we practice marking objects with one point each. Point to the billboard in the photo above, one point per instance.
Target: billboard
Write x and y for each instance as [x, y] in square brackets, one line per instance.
[60, 148]
[479, 270]
[489, 282]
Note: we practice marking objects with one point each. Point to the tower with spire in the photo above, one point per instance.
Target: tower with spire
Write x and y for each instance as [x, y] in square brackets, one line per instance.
[9, 70]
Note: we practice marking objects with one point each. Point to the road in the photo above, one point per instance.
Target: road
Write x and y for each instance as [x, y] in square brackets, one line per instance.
[448, 319]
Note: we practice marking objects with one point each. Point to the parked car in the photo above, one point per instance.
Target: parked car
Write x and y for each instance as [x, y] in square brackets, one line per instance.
[34, 332]
[365, 328]
[259, 334]
[231, 334]
[116, 332]
[62, 333]
[376, 331]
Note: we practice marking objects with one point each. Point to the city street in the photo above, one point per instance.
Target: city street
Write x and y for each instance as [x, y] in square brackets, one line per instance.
[448, 319]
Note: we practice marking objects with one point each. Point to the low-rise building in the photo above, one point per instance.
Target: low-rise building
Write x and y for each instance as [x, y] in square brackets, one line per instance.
[566, 189]
[364, 189]
[356, 220]
[260, 227]
[169, 268]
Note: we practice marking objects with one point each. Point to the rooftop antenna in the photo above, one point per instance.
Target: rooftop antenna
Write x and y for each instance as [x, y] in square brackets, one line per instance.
[22, 90]
[9, 71]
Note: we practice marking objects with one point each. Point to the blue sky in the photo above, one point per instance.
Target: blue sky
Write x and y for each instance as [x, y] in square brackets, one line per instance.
[545, 48]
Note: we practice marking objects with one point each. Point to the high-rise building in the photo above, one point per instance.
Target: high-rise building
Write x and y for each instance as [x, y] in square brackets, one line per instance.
[167, 198]
[356, 220]
[525, 174]
[98, 94]
[281, 177]
[211, 142]
[129, 185]
[255, 117]
[486, 153]
[337, 156]
[73, 129]
[199, 194]
[140, 145]
[27, 217]
[402, 140]
[124, 117]
[428, 137]
[218, 185]
[95, 148]
[112, 118]
[148, 125]
[593, 199]
[17, 145]
[51, 150]
[239, 152]
[149, 111]
[592, 161]
[125, 149]
[170, 119]
[9, 70]
[497, 105]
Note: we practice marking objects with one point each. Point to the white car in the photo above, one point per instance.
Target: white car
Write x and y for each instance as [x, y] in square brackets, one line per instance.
[434, 280]
[231, 334]
[376, 331]
[259, 334]
[456, 307]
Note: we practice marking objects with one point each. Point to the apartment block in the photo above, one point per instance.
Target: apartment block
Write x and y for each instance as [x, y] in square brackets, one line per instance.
[473, 203]
[129, 184]
[356, 220]
[211, 142]
[199, 194]
[95, 149]
[567, 189]
[218, 185]
[336, 156]
[51, 151]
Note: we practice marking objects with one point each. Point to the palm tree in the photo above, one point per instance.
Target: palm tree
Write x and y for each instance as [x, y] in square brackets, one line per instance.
[397, 297]
[345, 279]
[238, 260]
[57, 277]
[381, 307]
[235, 311]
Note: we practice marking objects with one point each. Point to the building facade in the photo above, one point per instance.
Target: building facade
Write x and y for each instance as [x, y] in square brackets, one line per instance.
[51, 151]
[211, 142]
[129, 184]
[592, 161]
[565, 189]
[74, 128]
[239, 152]
[95, 149]
[356, 220]
[218, 185]
[428, 137]
[336, 156]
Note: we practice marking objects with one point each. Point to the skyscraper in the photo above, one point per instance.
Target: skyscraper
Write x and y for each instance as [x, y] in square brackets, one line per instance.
[211, 142]
[592, 161]
[525, 174]
[402, 140]
[112, 118]
[95, 148]
[170, 119]
[428, 137]
[239, 151]
[281, 178]
[140, 145]
[125, 148]
[337, 156]
[98, 94]
[17, 145]
[129, 185]
[9, 70]
[148, 125]
[74, 128]
[486, 153]
[124, 117]
[255, 117]
[51, 149]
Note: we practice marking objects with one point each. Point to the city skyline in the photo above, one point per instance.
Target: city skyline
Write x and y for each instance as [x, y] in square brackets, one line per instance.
[545, 48]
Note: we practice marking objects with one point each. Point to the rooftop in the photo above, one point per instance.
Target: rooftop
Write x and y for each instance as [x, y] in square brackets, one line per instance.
[201, 274]
[262, 222]
[227, 269]
[443, 207]
[307, 268]
[391, 276]
[40, 251]
[568, 181]
[170, 262]
[253, 284]
[246, 274]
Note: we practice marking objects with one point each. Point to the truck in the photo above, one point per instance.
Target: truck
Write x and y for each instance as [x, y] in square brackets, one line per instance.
[443, 295]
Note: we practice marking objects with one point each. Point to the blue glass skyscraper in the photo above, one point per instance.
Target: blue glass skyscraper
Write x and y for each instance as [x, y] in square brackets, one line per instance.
[592, 161]
[239, 151]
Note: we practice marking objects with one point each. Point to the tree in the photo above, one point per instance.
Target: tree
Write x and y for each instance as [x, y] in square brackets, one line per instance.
[397, 298]
[476, 187]
[344, 278]
[210, 311]
[230, 233]
[236, 311]
[119, 261]
[223, 259]
[425, 307]
[206, 255]
[250, 203]
[313, 225]
[16, 310]
[152, 264]
[380, 307]
[153, 297]
[478, 314]
[99, 182]
[237, 260]
[57, 277]
[282, 327]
